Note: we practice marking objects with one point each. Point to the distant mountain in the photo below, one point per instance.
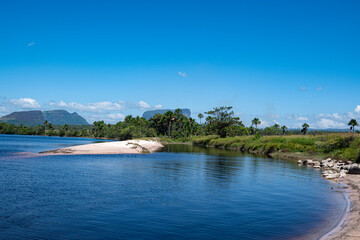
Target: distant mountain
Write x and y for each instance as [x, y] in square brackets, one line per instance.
[33, 118]
[149, 114]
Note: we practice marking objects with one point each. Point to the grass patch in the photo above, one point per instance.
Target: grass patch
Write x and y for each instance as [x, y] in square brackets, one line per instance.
[342, 146]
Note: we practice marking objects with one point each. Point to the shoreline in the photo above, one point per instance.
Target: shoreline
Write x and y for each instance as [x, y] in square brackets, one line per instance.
[343, 218]
[348, 227]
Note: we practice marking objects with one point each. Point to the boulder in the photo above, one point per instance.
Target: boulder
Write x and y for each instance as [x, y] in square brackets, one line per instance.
[354, 170]
[342, 173]
[308, 162]
[346, 167]
[317, 164]
[300, 162]
[332, 176]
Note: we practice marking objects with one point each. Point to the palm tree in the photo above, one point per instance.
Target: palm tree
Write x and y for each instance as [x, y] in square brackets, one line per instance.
[305, 127]
[200, 116]
[353, 123]
[256, 122]
[284, 128]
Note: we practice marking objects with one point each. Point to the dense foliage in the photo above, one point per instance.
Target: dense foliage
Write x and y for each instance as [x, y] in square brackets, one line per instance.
[221, 129]
[345, 146]
[220, 121]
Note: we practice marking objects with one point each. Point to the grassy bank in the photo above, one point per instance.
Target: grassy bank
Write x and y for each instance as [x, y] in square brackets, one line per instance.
[342, 146]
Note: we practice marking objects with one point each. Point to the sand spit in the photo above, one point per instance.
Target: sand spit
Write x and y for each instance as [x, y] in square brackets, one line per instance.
[115, 147]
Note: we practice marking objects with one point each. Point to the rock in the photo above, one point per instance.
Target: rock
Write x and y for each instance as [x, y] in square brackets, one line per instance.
[342, 173]
[308, 162]
[332, 176]
[300, 162]
[317, 164]
[354, 170]
[347, 167]
[348, 162]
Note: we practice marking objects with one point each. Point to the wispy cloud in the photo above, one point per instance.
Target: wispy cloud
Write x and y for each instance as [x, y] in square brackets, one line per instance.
[105, 106]
[302, 118]
[320, 88]
[90, 107]
[31, 44]
[183, 74]
[25, 103]
[303, 88]
[116, 116]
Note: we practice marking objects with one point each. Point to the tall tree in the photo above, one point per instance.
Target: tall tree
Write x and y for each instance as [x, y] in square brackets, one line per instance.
[200, 116]
[284, 128]
[353, 123]
[220, 119]
[255, 122]
[305, 128]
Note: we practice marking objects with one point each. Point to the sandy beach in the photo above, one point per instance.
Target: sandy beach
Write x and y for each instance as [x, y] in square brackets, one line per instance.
[115, 147]
[350, 228]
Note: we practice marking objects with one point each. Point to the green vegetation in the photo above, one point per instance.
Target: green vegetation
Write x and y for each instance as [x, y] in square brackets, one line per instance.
[353, 123]
[222, 129]
[345, 146]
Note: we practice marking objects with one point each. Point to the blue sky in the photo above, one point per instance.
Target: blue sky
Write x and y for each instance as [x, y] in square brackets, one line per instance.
[286, 62]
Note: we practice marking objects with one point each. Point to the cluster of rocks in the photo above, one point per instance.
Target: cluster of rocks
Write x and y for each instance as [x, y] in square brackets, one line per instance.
[333, 168]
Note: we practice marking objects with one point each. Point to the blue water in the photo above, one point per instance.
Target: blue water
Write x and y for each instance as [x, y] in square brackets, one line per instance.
[181, 193]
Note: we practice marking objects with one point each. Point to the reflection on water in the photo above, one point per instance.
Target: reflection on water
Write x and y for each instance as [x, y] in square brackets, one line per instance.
[181, 193]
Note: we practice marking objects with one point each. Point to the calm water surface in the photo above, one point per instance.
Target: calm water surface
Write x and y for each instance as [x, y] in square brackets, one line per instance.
[181, 193]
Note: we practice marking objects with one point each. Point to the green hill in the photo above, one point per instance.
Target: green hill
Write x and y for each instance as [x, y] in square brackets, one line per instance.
[33, 118]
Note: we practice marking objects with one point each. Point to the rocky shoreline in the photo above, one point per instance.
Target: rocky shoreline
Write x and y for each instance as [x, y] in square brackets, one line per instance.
[348, 174]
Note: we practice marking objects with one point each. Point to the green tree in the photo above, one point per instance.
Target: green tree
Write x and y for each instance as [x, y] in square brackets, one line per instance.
[305, 128]
[200, 116]
[220, 119]
[284, 128]
[99, 129]
[255, 122]
[353, 123]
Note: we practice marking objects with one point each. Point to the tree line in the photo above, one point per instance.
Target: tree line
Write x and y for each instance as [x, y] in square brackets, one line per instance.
[220, 121]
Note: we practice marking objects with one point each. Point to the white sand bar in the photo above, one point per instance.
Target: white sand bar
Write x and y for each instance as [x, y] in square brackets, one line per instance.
[115, 147]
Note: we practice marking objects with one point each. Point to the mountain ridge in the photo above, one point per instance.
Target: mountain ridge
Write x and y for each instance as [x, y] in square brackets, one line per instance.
[37, 117]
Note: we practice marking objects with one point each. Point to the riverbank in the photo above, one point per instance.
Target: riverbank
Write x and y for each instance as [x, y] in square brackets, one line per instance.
[113, 147]
[344, 146]
[349, 228]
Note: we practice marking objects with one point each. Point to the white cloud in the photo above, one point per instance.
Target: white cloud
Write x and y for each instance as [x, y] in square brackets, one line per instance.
[303, 88]
[159, 106]
[302, 118]
[357, 109]
[25, 103]
[144, 105]
[320, 88]
[3, 109]
[116, 116]
[90, 107]
[325, 123]
[31, 44]
[183, 74]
